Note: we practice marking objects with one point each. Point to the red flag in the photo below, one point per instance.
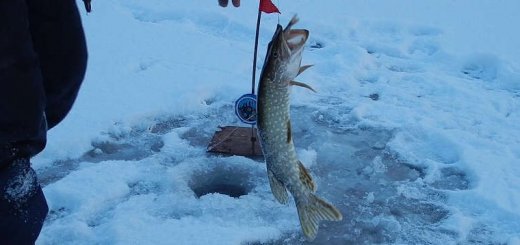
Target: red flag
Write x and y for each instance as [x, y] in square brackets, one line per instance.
[267, 6]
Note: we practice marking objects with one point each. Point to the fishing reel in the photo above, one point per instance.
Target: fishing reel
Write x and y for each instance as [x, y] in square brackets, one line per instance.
[245, 108]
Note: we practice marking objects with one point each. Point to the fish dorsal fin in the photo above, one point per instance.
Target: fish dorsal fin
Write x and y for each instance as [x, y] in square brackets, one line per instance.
[292, 22]
[303, 68]
[278, 188]
[299, 84]
[306, 178]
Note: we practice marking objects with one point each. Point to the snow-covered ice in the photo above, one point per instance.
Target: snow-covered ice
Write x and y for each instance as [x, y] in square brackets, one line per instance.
[414, 133]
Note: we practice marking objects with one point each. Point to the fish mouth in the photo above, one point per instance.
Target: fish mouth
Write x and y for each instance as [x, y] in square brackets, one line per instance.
[288, 42]
[294, 39]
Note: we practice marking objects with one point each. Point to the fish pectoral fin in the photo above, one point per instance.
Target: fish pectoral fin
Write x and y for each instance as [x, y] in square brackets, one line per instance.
[278, 188]
[289, 131]
[306, 178]
[312, 212]
[295, 83]
[303, 68]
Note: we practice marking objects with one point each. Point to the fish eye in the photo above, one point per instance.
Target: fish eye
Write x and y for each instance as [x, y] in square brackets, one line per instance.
[275, 54]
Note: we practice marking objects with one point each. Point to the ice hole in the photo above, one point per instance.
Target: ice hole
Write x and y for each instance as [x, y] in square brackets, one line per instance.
[233, 181]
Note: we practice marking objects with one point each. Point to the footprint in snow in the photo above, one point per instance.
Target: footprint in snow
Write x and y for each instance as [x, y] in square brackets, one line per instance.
[481, 67]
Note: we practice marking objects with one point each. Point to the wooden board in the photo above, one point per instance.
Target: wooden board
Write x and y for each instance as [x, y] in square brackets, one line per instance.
[232, 140]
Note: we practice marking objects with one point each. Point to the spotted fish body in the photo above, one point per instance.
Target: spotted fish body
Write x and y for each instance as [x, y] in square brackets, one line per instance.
[285, 172]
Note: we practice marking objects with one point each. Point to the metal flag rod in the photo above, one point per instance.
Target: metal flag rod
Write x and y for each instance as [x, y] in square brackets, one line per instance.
[253, 82]
[256, 49]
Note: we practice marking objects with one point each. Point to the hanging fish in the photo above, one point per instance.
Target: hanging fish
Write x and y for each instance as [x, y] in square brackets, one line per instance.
[284, 170]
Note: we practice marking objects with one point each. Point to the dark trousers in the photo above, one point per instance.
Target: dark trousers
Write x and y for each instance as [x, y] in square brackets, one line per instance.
[43, 59]
[22, 204]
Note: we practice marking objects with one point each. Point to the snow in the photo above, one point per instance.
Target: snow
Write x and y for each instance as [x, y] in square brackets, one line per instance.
[413, 133]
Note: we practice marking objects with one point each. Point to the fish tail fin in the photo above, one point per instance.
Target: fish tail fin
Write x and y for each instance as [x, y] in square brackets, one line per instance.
[312, 212]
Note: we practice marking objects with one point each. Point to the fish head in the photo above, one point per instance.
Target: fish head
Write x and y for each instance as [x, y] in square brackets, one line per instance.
[284, 53]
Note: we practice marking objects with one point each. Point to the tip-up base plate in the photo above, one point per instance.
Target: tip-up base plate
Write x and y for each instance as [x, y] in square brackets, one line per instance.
[241, 141]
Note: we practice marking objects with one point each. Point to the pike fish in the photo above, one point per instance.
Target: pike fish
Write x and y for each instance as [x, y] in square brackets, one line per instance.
[285, 172]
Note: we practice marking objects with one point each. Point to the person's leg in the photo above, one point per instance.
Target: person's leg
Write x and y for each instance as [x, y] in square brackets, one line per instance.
[22, 94]
[59, 41]
[42, 64]
[22, 204]
[22, 127]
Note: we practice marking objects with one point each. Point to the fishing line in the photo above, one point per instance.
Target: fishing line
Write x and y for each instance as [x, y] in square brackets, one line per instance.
[278, 15]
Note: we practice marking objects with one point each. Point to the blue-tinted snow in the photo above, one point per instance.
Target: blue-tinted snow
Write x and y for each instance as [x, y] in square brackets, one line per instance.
[413, 133]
